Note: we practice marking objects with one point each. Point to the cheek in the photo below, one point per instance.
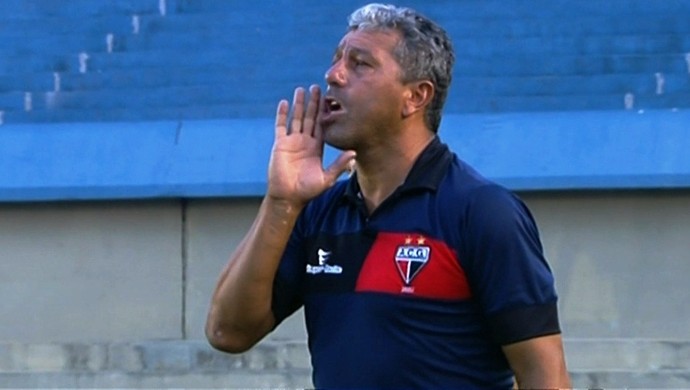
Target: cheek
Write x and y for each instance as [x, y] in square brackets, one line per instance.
[386, 106]
[382, 101]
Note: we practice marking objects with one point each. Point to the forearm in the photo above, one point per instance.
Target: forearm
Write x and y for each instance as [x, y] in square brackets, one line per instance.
[240, 312]
[543, 378]
[539, 363]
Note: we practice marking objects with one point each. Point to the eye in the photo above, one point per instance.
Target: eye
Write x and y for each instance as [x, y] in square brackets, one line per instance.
[358, 62]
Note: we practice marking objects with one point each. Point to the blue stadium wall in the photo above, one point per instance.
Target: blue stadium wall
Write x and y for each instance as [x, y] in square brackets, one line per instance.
[140, 99]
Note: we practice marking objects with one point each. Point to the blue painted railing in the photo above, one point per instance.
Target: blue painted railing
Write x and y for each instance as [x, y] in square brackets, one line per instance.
[228, 158]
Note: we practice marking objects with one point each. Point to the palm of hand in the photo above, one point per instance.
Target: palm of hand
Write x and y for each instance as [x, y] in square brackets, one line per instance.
[296, 172]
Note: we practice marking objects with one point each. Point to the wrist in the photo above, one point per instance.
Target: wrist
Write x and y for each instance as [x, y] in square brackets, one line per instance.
[282, 208]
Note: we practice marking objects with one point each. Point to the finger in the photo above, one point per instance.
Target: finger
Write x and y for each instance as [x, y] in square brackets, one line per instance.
[297, 111]
[340, 165]
[318, 131]
[281, 118]
[312, 110]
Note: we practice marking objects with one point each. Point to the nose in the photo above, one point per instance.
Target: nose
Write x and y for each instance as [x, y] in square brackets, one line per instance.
[335, 75]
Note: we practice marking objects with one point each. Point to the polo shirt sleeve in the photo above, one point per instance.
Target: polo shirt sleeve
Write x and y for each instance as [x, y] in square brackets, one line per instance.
[506, 267]
[287, 285]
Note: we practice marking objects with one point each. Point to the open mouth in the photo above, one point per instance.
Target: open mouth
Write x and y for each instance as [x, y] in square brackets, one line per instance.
[332, 110]
[332, 105]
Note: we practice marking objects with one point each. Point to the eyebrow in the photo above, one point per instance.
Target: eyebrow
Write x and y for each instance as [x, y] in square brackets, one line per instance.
[354, 50]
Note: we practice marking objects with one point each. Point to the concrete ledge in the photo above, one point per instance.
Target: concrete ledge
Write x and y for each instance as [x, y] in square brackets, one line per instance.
[628, 379]
[150, 357]
[169, 380]
[593, 363]
[584, 355]
[628, 355]
[301, 380]
[153, 364]
[576, 150]
[228, 158]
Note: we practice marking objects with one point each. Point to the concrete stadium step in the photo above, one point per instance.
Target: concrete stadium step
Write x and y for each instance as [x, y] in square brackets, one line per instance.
[100, 66]
[530, 65]
[597, 36]
[31, 28]
[584, 45]
[479, 24]
[565, 85]
[117, 79]
[472, 8]
[58, 54]
[181, 87]
[28, 63]
[469, 43]
[467, 9]
[574, 74]
[266, 108]
[171, 96]
[58, 45]
[547, 8]
[136, 114]
[481, 18]
[183, 97]
[487, 26]
[83, 8]
[585, 102]
[255, 59]
[148, 79]
[499, 64]
[33, 81]
[482, 22]
[162, 58]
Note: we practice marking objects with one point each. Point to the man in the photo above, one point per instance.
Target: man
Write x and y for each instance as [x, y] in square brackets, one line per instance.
[415, 272]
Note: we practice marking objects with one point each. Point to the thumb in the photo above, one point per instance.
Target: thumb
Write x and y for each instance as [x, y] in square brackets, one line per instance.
[343, 163]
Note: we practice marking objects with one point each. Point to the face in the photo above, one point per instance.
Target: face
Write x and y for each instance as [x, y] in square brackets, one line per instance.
[364, 99]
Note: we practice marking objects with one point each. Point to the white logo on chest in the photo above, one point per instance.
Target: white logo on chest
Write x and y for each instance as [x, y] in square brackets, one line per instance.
[323, 267]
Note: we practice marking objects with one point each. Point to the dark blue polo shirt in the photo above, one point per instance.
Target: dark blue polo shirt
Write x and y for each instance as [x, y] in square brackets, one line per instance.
[423, 292]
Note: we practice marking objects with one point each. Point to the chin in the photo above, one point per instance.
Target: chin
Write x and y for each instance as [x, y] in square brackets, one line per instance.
[336, 136]
[347, 138]
[338, 144]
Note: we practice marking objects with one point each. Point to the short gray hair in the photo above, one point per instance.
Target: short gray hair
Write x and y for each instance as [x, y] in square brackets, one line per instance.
[425, 51]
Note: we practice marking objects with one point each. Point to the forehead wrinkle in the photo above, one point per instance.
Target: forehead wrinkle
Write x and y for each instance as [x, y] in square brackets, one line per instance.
[346, 46]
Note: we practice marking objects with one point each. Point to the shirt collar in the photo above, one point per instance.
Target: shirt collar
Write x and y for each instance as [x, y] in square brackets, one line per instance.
[426, 173]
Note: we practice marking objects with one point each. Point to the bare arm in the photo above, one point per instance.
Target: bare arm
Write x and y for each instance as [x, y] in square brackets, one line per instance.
[240, 313]
[538, 363]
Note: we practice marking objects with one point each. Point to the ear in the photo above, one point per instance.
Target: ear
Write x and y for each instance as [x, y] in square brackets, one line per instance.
[417, 97]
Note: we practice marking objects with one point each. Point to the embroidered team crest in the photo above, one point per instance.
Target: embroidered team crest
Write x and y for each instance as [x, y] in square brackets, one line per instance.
[410, 259]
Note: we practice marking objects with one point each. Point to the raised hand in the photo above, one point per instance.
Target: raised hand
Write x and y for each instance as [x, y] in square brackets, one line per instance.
[296, 172]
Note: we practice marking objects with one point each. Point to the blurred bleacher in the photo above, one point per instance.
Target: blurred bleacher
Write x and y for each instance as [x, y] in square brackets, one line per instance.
[147, 60]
